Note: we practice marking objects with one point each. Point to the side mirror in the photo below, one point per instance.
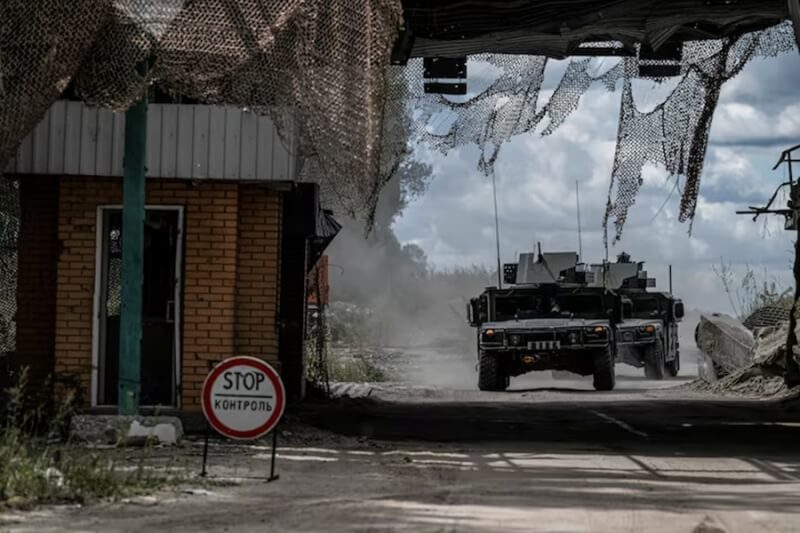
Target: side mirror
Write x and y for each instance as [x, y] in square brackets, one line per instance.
[473, 312]
[679, 310]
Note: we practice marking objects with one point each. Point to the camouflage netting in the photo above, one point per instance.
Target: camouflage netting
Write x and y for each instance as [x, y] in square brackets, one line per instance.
[317, 67]
[9, 229]
[673, 136]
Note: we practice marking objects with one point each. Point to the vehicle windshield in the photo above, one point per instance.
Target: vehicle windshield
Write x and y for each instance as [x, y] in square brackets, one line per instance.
[537, 305]
[646, 307]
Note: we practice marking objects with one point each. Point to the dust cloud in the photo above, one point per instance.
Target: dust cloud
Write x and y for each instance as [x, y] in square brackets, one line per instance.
[386, 297]
[390, 305]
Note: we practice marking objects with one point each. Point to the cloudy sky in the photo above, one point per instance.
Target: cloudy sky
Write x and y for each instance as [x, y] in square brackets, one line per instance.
[758, 117]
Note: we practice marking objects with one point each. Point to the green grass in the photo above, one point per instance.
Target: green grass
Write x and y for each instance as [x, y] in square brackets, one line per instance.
[35, 472]
[355, 370]
[37, 466]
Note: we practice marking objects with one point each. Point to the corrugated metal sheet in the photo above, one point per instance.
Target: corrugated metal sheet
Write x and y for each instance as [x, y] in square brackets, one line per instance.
[183, 141]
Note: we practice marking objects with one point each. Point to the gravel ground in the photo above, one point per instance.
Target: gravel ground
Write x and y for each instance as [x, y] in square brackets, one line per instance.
[430, 453]
[539, 461]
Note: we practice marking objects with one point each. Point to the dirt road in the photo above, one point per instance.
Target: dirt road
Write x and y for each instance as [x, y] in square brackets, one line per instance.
[562, 459]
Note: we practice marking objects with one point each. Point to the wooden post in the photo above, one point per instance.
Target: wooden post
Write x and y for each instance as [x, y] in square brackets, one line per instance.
[792, 377]
[133, 214]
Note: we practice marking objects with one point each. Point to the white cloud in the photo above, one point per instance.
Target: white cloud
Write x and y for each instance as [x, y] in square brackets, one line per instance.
[454, 221]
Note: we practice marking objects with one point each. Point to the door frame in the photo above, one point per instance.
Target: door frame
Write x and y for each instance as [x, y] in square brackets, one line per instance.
[99, 256]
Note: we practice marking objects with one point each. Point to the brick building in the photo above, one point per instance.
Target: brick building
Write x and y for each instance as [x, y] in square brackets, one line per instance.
[230, 237]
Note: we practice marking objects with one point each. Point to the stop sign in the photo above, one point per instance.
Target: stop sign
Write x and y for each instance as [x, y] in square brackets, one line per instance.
[243, 398]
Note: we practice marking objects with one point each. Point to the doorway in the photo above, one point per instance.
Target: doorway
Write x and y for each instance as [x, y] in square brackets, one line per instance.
[161, 303]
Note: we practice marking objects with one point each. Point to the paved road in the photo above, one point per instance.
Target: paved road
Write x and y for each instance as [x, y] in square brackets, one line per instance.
[538, 459]
[630, 417]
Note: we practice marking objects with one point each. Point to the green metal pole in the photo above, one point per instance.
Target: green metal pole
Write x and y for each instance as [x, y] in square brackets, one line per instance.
[130, 337]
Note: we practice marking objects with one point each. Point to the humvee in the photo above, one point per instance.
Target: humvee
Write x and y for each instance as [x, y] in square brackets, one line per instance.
[549, 319]
[647, 337]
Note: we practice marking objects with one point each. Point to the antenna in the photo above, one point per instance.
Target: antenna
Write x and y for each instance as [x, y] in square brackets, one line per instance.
[580, 237]
[497, 232]
[670, 279]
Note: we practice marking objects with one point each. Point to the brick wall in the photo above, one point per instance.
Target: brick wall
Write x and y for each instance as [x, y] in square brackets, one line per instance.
[209, 284]
[36, 278]
[226, 310]
[258, 273]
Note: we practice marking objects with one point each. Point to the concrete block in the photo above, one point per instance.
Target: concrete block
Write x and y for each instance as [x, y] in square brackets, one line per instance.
[126, 430]
[725, 341]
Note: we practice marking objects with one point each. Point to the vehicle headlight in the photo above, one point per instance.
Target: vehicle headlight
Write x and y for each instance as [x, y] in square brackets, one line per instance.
[574, 337]
[647, 330]
[492, 335]
[515, 340]
[596, 333]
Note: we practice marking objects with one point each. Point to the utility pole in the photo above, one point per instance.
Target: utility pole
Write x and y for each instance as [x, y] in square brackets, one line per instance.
[133, 214]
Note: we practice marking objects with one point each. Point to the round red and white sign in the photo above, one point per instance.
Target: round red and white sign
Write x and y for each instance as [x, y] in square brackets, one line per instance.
[243, 398]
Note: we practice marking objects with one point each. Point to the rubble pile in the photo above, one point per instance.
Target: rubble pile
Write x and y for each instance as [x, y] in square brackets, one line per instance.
[752, 381]
[770, 345]
[762, 376]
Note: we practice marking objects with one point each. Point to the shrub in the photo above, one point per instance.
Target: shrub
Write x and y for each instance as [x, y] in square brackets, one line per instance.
[38, 466]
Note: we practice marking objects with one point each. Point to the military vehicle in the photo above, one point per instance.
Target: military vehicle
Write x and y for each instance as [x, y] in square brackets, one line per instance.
[559, 314]
[648, 335]
[549, 319]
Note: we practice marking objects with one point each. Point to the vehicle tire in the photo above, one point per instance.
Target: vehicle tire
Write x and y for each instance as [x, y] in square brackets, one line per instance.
[491, 374]
[605, 377]
[654, 362]
[674, 367]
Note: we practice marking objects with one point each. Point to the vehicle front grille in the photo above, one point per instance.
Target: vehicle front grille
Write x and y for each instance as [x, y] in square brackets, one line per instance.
[539, 336]
[544, 345]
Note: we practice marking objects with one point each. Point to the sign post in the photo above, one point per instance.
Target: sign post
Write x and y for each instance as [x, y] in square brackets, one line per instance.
[243, 398]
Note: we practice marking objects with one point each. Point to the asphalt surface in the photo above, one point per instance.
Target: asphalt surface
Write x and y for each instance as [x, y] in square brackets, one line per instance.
[628, 418]
[550, 455]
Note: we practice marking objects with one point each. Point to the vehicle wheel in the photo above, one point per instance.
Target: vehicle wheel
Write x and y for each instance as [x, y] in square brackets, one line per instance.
[654, 362]
[491, 374]
[605, 377]
[674, 367]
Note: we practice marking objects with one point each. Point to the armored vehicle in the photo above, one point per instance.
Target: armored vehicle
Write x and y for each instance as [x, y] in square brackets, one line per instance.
[648, 335]
[549, 319]
[559, 314]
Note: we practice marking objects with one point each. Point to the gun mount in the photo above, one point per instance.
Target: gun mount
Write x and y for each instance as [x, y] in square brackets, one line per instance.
[563, 268]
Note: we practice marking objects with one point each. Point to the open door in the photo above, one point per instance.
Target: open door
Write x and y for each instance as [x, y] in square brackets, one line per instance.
[161, 299]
